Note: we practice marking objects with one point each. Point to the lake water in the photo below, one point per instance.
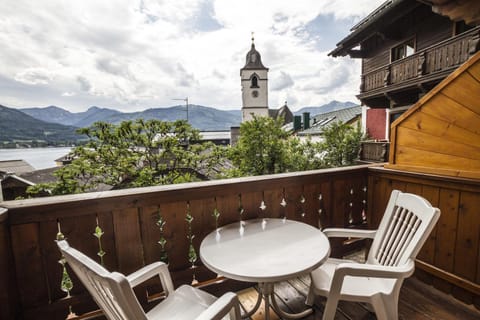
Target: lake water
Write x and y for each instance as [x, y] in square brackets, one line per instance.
[39, 158]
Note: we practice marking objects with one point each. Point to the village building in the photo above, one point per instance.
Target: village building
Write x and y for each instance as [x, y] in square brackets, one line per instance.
[351, 116]
[406, 49]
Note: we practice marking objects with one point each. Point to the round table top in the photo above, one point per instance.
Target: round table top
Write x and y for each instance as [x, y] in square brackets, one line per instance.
[264, 250]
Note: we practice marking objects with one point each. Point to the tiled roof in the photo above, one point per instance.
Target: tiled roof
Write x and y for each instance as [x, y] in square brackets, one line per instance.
[15, 166]
[40, 176]
[324, 120]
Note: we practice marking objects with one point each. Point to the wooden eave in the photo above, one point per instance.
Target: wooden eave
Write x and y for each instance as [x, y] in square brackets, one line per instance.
[456, 10]
[440, 134]
[372, 25]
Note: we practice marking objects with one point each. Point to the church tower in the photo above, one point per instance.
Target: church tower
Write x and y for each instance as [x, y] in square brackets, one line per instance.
[254, 86]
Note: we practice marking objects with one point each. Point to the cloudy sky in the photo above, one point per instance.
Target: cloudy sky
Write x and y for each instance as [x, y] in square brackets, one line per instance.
[136, 54]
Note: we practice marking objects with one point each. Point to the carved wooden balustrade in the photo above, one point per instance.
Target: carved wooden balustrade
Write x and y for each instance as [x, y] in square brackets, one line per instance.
[435, 61]
[126, 229]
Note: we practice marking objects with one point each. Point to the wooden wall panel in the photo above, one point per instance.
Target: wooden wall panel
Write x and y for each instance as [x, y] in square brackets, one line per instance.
[150, 233]
[446, 235]
[30, 270]
[50, 257]
[467, 246]
[440, 133]
[433, 30]
[453, 112]
[128, 242]
[9, 294]
[430, 193]
[450, 257]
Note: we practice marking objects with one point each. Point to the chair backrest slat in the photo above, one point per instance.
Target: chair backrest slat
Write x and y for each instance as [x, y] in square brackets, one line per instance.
[405, 226]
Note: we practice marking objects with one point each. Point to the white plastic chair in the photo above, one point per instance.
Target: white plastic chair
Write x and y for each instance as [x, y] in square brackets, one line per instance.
[406, 224]
[113, 292]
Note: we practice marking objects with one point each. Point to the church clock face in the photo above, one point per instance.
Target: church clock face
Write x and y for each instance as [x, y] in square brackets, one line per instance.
[254, 93]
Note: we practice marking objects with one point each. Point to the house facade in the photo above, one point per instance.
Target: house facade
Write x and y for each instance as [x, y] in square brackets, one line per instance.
[406, 49]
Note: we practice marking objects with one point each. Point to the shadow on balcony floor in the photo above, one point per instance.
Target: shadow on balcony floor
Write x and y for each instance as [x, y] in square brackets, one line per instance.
[417, 301]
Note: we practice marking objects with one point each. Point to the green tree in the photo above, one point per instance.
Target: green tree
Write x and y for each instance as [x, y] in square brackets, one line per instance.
[303, 155]
[341, 144]
[264, 147]
[134, 154]
[260, 148]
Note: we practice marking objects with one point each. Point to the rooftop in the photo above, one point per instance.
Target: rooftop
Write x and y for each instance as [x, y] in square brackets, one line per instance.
[15, 166]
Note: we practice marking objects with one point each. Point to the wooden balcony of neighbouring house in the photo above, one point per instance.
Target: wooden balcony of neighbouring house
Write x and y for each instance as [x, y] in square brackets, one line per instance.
[403, 81]
[126, 229]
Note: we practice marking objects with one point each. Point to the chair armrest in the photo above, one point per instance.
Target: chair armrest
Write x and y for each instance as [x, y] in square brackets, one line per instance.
[159, 269]
[349, 233]
[373, 271]
[221, 307]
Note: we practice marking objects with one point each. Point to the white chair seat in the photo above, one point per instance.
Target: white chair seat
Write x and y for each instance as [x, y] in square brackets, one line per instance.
[353, 288]
[184, 303]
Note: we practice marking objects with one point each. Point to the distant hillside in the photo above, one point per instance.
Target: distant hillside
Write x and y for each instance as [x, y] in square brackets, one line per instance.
[333, 105]
[17, 127]
[200, 117]
[79, 119]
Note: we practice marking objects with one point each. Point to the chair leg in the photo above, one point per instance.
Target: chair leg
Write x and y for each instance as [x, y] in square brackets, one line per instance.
[330, 308]
[386, 307]
[310, 297]
[235, 313]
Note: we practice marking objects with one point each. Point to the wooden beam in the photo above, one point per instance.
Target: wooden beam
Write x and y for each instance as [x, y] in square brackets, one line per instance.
[354, 53]
[450, 277]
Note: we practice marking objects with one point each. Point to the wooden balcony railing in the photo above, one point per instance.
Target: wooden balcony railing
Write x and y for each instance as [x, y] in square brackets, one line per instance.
[440, 58]
[127, 229]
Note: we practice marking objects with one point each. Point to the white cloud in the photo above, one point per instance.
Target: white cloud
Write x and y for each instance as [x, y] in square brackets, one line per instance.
[139, 54]
[282, 81]
[34, 76]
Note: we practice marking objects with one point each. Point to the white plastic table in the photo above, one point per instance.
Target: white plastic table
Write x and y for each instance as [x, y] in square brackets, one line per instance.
[265, 251]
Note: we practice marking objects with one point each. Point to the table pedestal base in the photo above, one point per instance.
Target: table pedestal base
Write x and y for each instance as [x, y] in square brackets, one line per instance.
[266, 292]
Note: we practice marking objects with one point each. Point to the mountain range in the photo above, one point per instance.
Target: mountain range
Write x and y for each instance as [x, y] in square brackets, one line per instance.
[55, 125]
[200, 117]
[17, 127]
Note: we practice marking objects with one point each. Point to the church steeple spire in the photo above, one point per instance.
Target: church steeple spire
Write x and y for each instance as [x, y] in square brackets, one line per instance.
[254, 59]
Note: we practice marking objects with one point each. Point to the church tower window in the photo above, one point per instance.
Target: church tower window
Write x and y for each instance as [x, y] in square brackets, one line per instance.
[254, 82]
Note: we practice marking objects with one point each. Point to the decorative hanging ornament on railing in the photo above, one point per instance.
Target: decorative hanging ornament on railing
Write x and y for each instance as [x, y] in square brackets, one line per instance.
[192, 254]
[302, 201]
[350, 214]
[263, 206]
[364, 202]
[98, 234]
[283, 203]
[162, 241]
[216, 213]
[320, 211]
[240, 209]
[66, 284]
